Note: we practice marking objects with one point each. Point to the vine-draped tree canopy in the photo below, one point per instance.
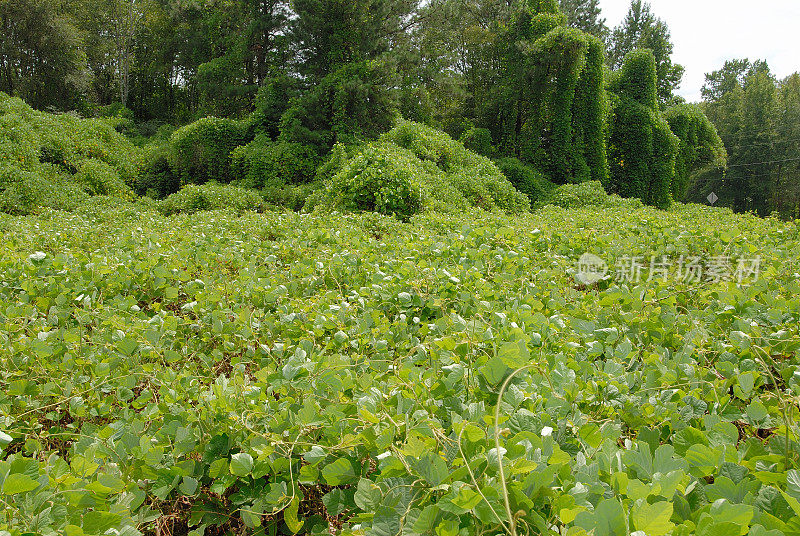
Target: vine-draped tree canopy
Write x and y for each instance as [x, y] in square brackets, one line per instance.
[541, 85]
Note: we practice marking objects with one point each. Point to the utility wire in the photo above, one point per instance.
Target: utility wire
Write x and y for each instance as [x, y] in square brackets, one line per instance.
[764, 163]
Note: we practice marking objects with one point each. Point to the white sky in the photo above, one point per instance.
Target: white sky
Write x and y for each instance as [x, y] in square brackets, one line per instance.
[708, 32]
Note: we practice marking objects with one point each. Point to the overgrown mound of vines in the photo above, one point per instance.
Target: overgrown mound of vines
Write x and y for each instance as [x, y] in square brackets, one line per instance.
[58, 160]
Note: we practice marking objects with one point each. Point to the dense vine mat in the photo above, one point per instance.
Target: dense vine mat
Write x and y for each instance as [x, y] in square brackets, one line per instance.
[283, 373]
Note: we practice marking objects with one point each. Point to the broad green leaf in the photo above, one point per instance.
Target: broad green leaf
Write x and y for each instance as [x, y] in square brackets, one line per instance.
[467, 498]
[514, 354]
[339, 472]
[652, 519]
[241, 464]
[368, 495]
[16, 483]
[290, 516]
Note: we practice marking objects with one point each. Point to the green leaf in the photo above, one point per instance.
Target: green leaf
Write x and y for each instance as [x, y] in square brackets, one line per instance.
[608, 519]
[747, 381]
[726, 512]
[494, 371]
[98, 522]
[18, 483]
[368, 495]
[652, 519]
[290, 516]
[5, 439]
[241, 464]
[467, 498]
[793, 482]
[339, 472]
[514, 354]
[188, 486]
[336, 501]
[591, 435]
[218, 468]
[432, 468]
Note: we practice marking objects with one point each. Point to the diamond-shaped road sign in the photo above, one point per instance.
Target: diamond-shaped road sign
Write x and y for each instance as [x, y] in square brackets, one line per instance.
[712, 198]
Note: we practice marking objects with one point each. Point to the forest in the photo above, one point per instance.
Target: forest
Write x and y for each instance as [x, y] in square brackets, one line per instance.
[277, 96]
[392, 268]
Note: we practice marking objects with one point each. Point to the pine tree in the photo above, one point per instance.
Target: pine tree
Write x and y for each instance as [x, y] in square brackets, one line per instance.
[642, 29]
[585, 15]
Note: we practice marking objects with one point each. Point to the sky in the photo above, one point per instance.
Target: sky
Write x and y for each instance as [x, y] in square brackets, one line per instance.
[708, 32]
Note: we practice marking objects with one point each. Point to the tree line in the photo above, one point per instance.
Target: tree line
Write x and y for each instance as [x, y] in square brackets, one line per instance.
[545, 82]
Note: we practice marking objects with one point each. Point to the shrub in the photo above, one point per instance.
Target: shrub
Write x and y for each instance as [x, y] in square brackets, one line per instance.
[99, 178]
[25, 192]
[381, 178]
[431, 145]
[475, 177]
[526, 179]
[210, 196]
[263, 163]
[201, 151]
[157, 180]
[588, 194]
[478, 140]
[291, 197]
[416, 167]
[49, 159]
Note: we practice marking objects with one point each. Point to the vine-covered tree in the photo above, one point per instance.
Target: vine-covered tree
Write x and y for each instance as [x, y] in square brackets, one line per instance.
[642, 29]
[642, 148]
[544, 101]
[701, 158]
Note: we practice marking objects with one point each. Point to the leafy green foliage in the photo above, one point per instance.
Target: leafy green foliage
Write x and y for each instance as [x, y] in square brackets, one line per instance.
[263, 163]
[382, 178]
[415, 167]
[587, 194]
[526, 179]
[642, 148]
[642, 30]
[478, 140]
[210, 196]
[48, 160]
[201, 151]
[281, 371]
[99, 178]
[701, 152]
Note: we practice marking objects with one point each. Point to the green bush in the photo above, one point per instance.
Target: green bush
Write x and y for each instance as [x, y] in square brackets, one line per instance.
[526, 179]
[415, 167]
[588, 194]
[201, 151]
[478, 140]
[473, 176]
[157, 180]
[431, 145]
[48, 160]
[264, 163]
[291, 197]
[26, 192]
[211, 196]
[382, 178]
[99, 178]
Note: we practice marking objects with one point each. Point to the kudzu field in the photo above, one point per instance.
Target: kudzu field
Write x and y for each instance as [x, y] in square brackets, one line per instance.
[282, 373]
